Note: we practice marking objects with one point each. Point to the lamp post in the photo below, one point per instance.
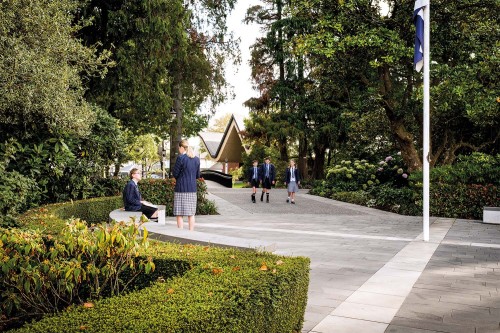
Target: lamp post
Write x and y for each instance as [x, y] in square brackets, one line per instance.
[173, 150]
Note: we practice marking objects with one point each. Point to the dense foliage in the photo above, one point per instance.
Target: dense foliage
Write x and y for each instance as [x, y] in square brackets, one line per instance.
[336, 81]
[45, 274]
[458, 190]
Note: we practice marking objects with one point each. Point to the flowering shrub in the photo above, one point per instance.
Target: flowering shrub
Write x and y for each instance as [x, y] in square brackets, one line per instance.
[351, 175]
[460, 190]
[392, 170]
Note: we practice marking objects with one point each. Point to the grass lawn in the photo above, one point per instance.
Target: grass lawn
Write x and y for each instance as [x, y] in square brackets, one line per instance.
[240, 185]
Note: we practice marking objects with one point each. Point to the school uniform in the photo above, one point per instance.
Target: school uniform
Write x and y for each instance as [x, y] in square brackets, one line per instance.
[186, 172]
[292, 179]
[254, 176]
[132, 200]
[267, 177]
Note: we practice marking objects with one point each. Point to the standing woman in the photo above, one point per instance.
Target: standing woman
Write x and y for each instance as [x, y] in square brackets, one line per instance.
[186, 171]
[292, 181]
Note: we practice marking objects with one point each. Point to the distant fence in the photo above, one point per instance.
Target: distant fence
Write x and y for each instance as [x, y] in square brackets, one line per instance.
[218, 177]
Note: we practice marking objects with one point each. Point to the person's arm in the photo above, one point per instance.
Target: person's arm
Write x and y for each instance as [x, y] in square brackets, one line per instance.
[285, 179]
[297, 176]
[198, 173]
[178, 166]
[131, 195]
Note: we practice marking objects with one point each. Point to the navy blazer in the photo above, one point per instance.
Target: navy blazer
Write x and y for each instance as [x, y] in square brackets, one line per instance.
[186, 171]
[272, 172]
[131, 197]
[250, 174]
[288, 175]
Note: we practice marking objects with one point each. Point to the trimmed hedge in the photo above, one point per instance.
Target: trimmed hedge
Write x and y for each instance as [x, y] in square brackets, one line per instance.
[51, 218]
[212, 289]
[224, 291]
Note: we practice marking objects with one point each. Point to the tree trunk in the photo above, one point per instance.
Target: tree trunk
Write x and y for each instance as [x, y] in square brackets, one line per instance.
[319, 162]
[283, 151]
[302, 162]
[176, 128]
[404, 138]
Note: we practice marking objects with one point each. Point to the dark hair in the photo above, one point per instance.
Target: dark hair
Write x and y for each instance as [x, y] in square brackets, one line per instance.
[255, 161]
[267, 158]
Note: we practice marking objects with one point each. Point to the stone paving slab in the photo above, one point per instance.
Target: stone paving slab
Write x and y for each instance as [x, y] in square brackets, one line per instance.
[353, 249]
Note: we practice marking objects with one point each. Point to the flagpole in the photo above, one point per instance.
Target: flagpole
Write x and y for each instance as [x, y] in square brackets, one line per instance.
[426, 138]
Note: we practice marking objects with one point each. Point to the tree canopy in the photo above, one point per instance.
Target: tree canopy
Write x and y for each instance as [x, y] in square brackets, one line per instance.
[340, 79]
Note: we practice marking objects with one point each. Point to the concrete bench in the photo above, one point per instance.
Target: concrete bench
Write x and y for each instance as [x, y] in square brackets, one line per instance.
[491, 215]
[170, 233]
[121, 215]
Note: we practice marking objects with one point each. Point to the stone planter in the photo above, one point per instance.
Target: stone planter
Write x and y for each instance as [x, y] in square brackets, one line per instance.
[491, 215]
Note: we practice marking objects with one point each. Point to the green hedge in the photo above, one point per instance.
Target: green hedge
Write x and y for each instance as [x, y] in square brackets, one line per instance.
[215, 290]
[97, 210]
[224, 291]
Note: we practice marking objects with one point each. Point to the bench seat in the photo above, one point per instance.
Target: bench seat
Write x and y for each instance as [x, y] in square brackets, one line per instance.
[121, 215]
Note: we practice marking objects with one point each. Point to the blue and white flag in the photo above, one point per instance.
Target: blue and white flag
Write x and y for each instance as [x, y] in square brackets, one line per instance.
[418, 19]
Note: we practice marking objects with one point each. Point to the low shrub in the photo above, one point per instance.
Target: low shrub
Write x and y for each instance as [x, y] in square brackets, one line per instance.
[357, 197]
[42, 275]
[460, 190]
[392, 171]
[462, 201]
[51, 218]
[350, 176]
[96, 210]
[403, 200]
[161, 192]
[477, 168]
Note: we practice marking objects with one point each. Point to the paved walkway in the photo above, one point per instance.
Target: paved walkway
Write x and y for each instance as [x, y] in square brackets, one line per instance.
[370, 270]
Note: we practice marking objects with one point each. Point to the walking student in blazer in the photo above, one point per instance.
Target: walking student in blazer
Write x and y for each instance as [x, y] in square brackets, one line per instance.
[186, 172]
[253, 178]
[292, 181]
[132, 197]
[268, 178]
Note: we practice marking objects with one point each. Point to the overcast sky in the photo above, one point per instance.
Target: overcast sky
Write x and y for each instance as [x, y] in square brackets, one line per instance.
[239, 76]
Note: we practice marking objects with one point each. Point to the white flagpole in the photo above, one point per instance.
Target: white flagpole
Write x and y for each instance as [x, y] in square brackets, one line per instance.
[426, 139]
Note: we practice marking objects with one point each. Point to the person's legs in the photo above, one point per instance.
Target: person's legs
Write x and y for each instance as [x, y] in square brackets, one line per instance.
[191, 221]
[150, 212]
[180, 222]
[292, 196]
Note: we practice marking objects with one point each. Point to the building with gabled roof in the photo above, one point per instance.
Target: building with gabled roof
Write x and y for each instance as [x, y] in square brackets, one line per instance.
[226, 148]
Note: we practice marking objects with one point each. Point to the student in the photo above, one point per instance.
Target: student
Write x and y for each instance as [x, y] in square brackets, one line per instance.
[292, 181]
[186, 171]
[132, 197]
[253, 178]
[267, 178]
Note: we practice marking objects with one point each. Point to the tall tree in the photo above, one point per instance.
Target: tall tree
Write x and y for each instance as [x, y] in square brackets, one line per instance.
[279, 77]
[41, 92]
[371, 55]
